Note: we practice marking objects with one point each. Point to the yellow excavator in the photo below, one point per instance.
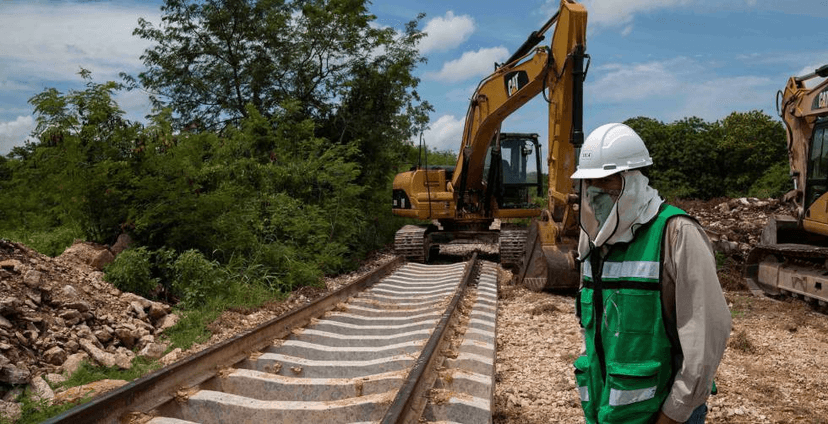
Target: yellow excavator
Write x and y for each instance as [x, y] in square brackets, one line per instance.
[792, 256]
[493, 178]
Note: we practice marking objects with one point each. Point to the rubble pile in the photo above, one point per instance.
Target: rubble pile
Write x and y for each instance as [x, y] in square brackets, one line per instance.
[57, 312]
[735, 226]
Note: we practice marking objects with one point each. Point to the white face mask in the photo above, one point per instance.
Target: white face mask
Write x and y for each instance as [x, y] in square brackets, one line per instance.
[601, 203]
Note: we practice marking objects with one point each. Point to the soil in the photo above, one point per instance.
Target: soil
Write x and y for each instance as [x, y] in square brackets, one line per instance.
[774, 370]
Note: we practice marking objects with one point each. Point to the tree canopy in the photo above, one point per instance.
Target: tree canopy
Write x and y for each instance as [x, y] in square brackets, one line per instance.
[212, 58]
[743, 154]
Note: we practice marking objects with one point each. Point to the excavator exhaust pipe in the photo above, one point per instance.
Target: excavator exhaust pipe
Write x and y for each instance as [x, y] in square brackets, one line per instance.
[548, 265]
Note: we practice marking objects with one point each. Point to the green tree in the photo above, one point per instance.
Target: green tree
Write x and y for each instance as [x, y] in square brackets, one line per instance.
[212, 58]
[753, 144]
[83, 154]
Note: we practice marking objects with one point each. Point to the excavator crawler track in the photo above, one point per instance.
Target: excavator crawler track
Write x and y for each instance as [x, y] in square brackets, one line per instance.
[409, 242]
[512, 243]
[796, 270]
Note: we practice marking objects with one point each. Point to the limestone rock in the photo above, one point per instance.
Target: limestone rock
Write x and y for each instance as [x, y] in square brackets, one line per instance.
[11, 265]
[91, 389]
[10, 410]
[55, 356]
[9, 306]
[41, 388]
[103, 358]
[11, 374]
[153, 350]
[171, 357]
[33, 279]
[73, 362]
[166, 322]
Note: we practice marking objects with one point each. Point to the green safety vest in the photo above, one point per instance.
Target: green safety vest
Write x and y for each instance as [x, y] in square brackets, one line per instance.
[628, 368]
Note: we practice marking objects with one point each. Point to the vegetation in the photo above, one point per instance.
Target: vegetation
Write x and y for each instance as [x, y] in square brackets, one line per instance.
[742, 155]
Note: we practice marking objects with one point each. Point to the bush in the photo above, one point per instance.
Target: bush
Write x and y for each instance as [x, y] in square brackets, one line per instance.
[132, 271]
[196, 278]
[775, 182]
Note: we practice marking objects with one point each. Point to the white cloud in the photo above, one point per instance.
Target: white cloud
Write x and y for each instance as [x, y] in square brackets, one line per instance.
[444, 134]
[714, 99]
[15, 133]
[446, 33]
[51, 41]
[626, 82]
[469, 65]
[135, 103]
[677, 88]
[615, 13]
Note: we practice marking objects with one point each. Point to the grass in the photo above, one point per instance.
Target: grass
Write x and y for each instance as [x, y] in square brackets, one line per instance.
[88, 373]
[192, 327]
[51, 242]
[35, 410]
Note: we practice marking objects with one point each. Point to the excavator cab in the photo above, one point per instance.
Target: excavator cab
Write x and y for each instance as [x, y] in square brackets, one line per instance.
[520, 170]
[817, 176]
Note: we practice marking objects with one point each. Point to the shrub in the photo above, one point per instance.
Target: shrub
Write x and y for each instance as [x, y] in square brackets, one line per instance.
[775, 182]
[132, 271]
[196, 278]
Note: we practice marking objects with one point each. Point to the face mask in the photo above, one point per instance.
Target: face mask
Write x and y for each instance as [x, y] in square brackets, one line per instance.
[601, 203]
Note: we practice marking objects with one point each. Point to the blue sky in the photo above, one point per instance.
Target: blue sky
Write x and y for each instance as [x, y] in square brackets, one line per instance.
[664, 59]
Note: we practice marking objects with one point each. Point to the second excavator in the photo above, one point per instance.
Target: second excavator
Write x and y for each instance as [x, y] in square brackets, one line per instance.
[493, 178]
[792, 256]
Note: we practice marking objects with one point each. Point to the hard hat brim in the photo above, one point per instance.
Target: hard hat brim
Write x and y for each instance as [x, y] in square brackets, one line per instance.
[594, 174]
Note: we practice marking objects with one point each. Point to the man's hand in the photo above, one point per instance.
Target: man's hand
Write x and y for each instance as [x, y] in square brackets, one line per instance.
[663, 419]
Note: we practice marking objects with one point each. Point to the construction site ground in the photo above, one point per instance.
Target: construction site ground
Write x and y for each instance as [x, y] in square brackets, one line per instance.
[774, 369]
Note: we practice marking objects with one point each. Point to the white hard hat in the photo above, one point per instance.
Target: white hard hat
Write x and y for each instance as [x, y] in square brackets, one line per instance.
[609, 149]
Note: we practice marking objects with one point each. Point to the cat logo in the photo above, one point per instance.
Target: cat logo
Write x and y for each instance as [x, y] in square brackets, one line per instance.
[515, 81]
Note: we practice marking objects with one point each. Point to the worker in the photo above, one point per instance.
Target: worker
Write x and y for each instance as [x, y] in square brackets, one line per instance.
[654, 319]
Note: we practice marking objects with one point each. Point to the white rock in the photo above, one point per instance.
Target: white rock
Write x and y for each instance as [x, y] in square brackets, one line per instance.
[42, 390]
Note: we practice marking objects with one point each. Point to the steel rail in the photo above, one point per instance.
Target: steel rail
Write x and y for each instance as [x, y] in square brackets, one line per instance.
[153, 390]
[408, 405]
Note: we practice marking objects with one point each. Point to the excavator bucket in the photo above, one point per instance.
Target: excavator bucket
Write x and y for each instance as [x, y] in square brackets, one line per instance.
[548, 263]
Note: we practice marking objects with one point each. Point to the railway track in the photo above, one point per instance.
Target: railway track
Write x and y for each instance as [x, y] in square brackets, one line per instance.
[407, 343]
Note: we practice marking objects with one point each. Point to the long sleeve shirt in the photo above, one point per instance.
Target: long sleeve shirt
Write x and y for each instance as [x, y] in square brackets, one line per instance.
[693, 299]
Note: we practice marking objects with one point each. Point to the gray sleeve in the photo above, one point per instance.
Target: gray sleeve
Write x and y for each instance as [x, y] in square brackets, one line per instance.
[701, 313]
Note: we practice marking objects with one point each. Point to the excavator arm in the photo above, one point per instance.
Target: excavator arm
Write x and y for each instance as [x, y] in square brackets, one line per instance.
[532, 70]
